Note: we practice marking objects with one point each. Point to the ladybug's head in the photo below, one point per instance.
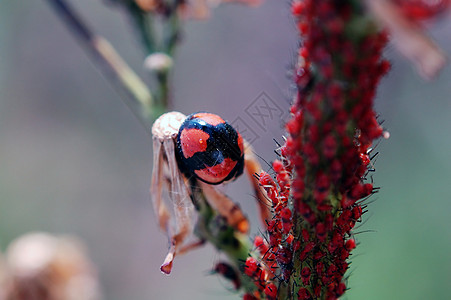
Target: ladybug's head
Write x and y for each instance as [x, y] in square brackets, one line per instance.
[209, 148]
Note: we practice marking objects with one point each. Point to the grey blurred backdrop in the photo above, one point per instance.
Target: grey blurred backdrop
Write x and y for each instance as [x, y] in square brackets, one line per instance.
[73, 159]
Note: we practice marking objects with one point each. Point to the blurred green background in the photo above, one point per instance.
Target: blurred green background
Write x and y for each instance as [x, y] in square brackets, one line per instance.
[73, 159]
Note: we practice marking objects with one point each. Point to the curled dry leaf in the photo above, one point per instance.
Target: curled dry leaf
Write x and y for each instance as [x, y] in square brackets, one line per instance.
[200, 9]
[409, 38]
[423, 9]
[192, 9]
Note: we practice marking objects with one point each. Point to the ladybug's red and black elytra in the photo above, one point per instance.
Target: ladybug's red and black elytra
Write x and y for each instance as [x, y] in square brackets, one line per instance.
[209, 148]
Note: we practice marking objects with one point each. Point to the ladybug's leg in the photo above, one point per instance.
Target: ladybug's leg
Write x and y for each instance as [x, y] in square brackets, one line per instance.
[252, 167]
[230, 210]
[190, 246]
[225, 207]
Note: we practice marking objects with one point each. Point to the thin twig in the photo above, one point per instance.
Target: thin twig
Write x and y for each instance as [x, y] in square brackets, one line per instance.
[135, 94]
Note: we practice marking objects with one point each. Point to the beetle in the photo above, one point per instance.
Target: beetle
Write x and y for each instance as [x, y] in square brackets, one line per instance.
[209, 148]
[199, 151]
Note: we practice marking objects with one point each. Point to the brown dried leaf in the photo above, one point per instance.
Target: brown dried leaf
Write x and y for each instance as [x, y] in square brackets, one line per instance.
[409, 38]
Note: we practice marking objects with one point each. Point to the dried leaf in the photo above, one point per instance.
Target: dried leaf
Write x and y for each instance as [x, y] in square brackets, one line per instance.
[409, 38]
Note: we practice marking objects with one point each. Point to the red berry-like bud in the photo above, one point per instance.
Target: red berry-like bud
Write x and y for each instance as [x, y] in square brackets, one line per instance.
[271, 291]
[285, 214]
[305, 235]
[284, 256]
[293, 127]
[304, 294]
[321, 231]
[260, 244]
[277, 165]
[290, 239]
[305, 275]
[297, 8]
[251, 266]
[365, 158]
[266, 179]
[319, 254]
[385, 66]
[329, 146]
[296, 246]
[341, 288]
[350, 244]
[309, 247]
[356, 212]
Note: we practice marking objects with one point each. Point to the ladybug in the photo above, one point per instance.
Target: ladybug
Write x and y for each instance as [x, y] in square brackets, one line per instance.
[209, 149]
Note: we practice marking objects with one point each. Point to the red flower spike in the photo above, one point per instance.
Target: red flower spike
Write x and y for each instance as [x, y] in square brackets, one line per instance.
[319, 179]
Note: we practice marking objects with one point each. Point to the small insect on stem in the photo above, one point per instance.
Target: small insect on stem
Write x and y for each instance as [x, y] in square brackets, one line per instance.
[204, 150]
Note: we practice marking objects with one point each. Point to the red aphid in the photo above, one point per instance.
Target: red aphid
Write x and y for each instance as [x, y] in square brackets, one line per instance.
[271, 291]
[251, 266]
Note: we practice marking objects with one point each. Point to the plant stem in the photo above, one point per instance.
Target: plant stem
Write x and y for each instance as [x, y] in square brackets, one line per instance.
[214, 229]
[135, 94]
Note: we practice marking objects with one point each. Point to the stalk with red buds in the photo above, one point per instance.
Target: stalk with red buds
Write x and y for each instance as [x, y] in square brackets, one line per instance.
[321, 179]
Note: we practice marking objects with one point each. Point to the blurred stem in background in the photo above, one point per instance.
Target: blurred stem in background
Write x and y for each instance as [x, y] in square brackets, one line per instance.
[157, 24]
[146, 104]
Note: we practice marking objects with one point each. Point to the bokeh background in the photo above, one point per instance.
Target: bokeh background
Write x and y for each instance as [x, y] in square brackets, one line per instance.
[73, 158]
